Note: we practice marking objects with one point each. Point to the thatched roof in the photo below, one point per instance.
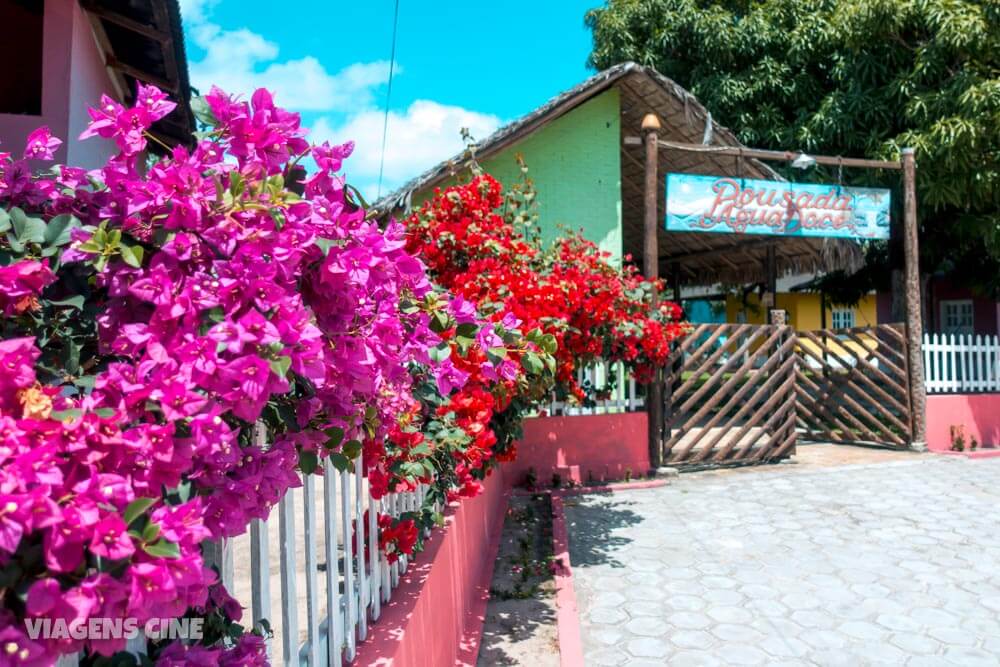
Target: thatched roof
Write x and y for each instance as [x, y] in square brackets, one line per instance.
[699, 258]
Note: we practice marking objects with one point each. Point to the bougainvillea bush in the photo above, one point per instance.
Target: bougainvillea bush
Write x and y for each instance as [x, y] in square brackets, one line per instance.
[153, 314]
[480, 243]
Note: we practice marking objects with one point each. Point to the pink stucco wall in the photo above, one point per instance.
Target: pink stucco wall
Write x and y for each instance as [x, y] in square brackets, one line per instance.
[583, 448]
[435, 616]
[73, 76]
[89, 79]
[979, 413]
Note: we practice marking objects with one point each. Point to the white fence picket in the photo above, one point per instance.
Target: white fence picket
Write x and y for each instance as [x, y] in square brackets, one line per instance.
[610, 380]
[961, 363]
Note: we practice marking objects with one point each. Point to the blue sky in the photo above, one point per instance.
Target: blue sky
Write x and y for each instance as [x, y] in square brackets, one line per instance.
[458, 64]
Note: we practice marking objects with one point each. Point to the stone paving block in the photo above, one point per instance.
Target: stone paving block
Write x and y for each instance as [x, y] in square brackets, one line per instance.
[691, 639]
[886, 564]
[730, 615]
[914, 643]
[647, 626]
[648, 647]
[689, 620]
[733, 632]
[741, 654]
[684, 603]
[694, 659]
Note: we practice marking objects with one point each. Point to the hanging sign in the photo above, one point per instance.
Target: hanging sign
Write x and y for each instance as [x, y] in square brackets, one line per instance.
[748, 206]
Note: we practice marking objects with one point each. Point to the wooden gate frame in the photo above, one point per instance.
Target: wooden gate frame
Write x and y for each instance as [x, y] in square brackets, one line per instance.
[906, 164]
[754, 388]
[862, 397]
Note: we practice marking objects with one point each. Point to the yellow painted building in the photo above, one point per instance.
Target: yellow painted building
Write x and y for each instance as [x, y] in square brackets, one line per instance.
[804, 314]
[803, 310]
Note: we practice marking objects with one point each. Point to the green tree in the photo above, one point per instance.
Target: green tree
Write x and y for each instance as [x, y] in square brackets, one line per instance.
[847, 77]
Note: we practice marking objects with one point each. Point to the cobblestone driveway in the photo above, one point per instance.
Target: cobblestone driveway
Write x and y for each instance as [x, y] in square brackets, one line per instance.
[887, 564]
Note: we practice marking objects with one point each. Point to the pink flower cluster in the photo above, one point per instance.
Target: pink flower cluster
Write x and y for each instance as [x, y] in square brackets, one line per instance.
[223, 299]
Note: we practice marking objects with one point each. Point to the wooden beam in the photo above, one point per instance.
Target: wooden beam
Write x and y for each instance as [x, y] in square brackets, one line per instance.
[744, 245]
[166, 45]
[137, 73]
[130, 24]
[104, 45]
[914, 328]
[774, 156]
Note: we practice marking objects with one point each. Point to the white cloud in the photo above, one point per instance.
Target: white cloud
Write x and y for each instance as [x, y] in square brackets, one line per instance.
[422, 136]
[239, 61]
[196, 11]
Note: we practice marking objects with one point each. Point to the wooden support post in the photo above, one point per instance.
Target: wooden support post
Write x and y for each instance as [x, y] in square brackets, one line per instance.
[914, 328]
[772, 275]
[675, 282]
[650, 261]
[822, 321]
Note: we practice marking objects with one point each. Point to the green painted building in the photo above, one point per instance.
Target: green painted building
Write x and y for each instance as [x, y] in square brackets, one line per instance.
[589, 176]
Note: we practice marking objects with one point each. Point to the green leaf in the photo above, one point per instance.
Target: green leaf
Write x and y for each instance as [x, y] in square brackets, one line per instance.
[67, 415]
[28, 230]
[467, 330]
[132, 255]
[440, 352]
[325, 245]
[308, 462]
[351, 449]
[339, 461]
[14, 243]
[90, 246]
[57, 232]
[439, 321]
[136, 508]
[105, 412]
[278, 216]
[150, 532]
[203, 112]
[4, 220]
[162, 549]
[532, 363]
[76, 302]
[335, 435]
[236, 184]
[280, 365]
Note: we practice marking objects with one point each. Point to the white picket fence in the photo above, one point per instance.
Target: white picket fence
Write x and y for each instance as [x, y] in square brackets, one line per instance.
[961, 363]
[622, 398]
[300, 572]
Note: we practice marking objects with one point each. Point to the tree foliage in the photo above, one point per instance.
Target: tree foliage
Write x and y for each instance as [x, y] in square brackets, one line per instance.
[847, 77]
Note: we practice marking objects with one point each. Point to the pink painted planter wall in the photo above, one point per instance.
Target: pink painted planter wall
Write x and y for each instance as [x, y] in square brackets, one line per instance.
[979, 413]
[435, 616]
[600, 446]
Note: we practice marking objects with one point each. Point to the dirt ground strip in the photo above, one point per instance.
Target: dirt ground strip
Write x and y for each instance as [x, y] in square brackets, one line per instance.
[520, 626]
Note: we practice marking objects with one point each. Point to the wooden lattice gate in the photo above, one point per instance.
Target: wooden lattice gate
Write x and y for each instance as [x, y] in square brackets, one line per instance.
[852, 385]
[730, 396]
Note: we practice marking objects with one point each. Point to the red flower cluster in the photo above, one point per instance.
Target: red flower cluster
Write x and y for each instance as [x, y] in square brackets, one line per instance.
[396, 536]
[473, 247]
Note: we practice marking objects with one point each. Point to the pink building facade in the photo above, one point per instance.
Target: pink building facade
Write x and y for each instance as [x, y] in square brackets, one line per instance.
[83, 54]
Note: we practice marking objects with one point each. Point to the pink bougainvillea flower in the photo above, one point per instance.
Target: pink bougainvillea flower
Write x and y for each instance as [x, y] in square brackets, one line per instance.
[331, 158]
[111, 539]
[41, 145]
[17, 650]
